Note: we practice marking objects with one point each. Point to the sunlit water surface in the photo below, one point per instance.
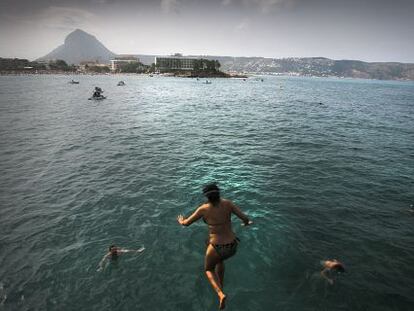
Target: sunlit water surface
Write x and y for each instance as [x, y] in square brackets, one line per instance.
[324, 167]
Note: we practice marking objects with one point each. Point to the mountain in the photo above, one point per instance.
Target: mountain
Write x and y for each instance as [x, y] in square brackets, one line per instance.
[80, 46]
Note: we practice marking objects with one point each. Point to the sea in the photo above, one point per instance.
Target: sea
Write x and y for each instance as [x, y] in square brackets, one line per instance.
[324, 167]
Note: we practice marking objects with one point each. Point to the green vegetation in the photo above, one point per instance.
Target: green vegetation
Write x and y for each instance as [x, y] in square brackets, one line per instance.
[152, 68]
[60, 65]
[16, 64]
[24, 65]
[133, 67]
[206, 65]
[205, 68]
[97, 69]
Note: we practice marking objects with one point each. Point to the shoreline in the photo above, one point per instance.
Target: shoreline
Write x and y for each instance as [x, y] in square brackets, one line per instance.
[74, 73]
[226, 76]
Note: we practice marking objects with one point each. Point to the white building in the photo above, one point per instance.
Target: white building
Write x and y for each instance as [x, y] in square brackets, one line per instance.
[118, 61]
[174, 63]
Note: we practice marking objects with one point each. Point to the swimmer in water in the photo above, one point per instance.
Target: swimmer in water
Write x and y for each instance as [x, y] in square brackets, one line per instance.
[411, 209]
[330, 266]
[222, 242]
[114, 252]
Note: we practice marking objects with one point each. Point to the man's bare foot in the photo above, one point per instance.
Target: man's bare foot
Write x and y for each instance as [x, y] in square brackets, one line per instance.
[222, 298]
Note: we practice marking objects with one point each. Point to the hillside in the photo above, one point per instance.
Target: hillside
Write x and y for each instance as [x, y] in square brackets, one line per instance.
[319, 66]
[80, 46]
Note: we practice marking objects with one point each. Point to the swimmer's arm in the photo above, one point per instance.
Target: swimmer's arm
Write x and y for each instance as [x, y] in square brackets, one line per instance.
[101, 263]
[323, 274]
[237, 211]
[123, 250]
[194, 217]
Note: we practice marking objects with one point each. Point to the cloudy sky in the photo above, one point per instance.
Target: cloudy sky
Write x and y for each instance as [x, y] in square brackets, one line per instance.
[370, 30]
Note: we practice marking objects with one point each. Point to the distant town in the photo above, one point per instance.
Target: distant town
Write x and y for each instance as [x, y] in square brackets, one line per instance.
[175, 65]
[82, 53]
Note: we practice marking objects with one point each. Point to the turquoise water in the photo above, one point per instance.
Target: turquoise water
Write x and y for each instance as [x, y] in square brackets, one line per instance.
[330, 180]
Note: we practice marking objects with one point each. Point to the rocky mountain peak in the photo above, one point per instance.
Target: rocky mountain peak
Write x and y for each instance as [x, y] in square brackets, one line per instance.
[80, 46]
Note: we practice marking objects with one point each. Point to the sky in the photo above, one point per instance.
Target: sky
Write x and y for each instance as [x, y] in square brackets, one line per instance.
[368, 30]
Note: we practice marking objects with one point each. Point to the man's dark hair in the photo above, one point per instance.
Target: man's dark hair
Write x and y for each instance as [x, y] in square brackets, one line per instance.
[212, 192]
[110, 247]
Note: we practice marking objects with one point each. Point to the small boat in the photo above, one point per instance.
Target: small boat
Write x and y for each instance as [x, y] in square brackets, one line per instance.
[73, 82]
[121, 83]
[97, 97]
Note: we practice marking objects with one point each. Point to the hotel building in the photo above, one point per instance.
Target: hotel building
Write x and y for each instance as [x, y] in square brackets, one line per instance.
[174, 63]
[118, 61]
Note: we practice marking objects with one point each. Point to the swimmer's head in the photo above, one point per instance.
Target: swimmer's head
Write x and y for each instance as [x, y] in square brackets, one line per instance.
[338, 268]
[212, 192]
[112, 248]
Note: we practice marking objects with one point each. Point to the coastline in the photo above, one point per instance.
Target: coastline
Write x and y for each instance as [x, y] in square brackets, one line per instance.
[227, 75]
[75, 73]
